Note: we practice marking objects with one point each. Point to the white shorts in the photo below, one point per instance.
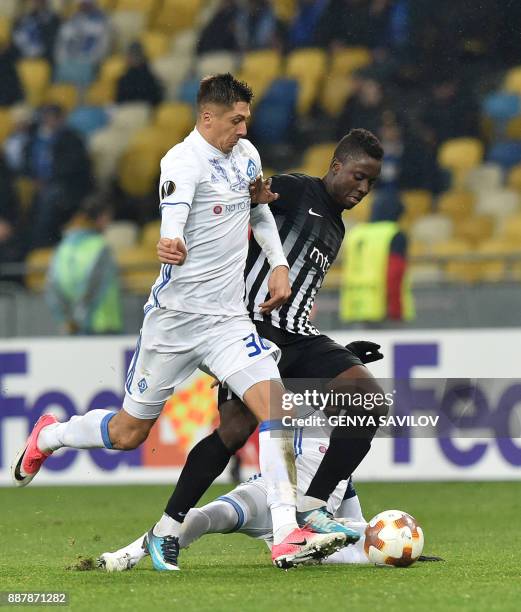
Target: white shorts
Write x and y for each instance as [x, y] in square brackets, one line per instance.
[172, 345]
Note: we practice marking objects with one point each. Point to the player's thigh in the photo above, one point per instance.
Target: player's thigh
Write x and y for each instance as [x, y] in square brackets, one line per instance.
[166, 354]
[358, 380]
[237, 422]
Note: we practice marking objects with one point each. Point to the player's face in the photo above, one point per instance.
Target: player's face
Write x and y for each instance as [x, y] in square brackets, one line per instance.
[226, 125]
[353, 180]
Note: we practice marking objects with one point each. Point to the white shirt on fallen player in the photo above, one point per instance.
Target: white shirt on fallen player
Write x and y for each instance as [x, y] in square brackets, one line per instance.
[204, 198]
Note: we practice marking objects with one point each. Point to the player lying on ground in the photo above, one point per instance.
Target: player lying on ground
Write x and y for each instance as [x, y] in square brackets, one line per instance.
[196, 318]
[308, 213]
[245, 510]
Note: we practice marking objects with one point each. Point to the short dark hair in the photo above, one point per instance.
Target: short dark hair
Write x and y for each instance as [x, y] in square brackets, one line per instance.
[223, 89]
[358, 142]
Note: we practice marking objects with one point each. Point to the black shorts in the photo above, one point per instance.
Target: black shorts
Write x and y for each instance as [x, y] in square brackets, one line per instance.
[303, 356]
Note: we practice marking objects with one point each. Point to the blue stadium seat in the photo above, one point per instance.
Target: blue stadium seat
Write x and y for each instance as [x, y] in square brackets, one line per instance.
[88, 119]
[78, 73]
[275, 114]
[187, 91]
[502, 106]
[506, 154]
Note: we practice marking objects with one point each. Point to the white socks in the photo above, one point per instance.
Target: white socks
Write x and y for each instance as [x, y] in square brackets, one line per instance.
[307, 503]
[87, 431]
[167, 526]
[277, 464]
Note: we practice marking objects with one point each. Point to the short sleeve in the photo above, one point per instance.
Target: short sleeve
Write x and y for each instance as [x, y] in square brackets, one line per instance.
[179, 178]
[290, 188]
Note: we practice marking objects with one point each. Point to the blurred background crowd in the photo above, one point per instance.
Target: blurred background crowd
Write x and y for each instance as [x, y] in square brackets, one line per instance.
[94, 92]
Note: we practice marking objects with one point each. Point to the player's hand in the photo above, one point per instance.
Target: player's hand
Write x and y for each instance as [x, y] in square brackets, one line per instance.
[366, 351]
[279, 288]
[260, 191]
[171, 251]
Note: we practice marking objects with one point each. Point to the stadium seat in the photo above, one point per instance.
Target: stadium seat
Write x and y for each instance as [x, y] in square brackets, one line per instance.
[138, 170]
[130, 117]
[360, 213]
[495, 270]
[474, 229]
[259, 69]
[215, 63]
[106, 147]
[317, 158]
[34, 75]
[511, 228]
[6, 123]
[76, 72]
[346, 61]
[184, 43]
[514, 178]
[335, 92]
[484, 176]
[416, 202]
[101, 93]
[138, 268]
[151, 232]
[513, 128]
[275, 113]
[456, 204]
[37, 263]
[453, 268]
[498, 202]
[88, 119]
[177, 118]
[143, 6]
[25, 189]
[431, 229]
[107, 5]
[506, 154]
[64, 95]
[187, 91]
[501, 106]
[152, 138]
[512, 81]
[459, 156]
[112, 68]
[5, 30]
[171, 70]
[155, 44]
[121, 235]
[128, 26]
[9, 8]
[285, 9]
[308, 68]
[176, 15]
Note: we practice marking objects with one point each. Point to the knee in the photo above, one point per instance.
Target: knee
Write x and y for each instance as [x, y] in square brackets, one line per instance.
[236, 426]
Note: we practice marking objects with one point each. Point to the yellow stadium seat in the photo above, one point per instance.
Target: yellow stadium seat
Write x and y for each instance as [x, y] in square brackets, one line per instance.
[151, 231]
[459, 155]
[285, 9]
[512, 228]
[127, 27]
[139, 268]
[318, 158]
[454, 269]
[514, 178]
[107, 5]
[155, 44]
[513, 80]
[361, 213]
[308, 67]
[474, 229]
[176, 15]
[416, 202]
[513, 129]
[496, 269]
[345, 61]
[6, 123]
[175, 117]
[5, 30]
[138, 170]
[113, 68]
[35, 75]
[142, 6]
[64, 95]
[152, 138]
[259, 69]
[25, 189]
[336, 91]
[121, 235]
[101, 93]
[457, 204]
[37, 263]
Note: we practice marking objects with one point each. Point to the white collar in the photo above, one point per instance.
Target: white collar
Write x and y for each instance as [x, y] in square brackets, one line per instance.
[202, 143]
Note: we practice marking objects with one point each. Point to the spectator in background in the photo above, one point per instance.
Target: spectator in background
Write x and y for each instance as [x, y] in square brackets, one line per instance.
[16, 143]
[303, 29]
[57, 161]
[34, 34]
[365, 108]
[83, 42]
[10, 247]
[220, 33]
[375, 286]
[138, 83]
[11, 90]
[258, 27]
[82, 283]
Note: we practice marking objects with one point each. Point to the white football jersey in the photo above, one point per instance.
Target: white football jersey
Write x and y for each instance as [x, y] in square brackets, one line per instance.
[214, 187]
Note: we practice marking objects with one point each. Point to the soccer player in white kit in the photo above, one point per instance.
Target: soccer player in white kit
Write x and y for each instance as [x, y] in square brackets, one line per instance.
[245, 510]
[196, 317]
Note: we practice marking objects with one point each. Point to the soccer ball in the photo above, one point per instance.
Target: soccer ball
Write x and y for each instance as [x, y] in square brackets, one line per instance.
[393, 537]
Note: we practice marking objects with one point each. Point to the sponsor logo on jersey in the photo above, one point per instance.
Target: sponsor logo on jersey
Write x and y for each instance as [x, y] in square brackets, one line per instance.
[167, 189]
[217, 210]
[322, 449]
[251, 170]
[319, 259]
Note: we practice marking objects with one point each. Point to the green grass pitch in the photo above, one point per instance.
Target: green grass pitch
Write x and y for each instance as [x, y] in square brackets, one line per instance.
[474, 526]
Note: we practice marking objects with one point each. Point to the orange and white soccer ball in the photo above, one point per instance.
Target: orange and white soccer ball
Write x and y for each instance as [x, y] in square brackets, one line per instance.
[393, 537]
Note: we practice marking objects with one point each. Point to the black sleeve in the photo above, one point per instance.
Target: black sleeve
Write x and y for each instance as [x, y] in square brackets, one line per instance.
[399, 244]
[290, 188]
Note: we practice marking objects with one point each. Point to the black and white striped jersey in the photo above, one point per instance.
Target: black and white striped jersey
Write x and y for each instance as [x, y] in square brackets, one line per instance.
[311, 231]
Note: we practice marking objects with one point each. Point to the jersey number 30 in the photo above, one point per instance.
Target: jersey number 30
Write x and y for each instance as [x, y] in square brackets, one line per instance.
[256, 343]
